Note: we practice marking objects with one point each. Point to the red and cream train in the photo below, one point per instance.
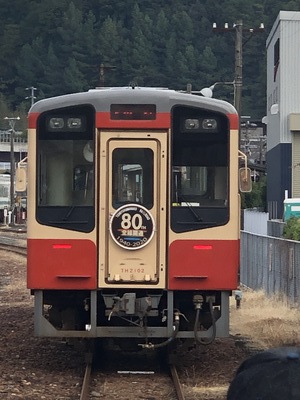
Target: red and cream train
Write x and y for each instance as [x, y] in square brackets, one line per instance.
[133, 215]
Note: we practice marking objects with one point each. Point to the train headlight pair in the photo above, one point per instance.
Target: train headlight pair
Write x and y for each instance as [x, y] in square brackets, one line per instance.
[65, 124]
[201, 125]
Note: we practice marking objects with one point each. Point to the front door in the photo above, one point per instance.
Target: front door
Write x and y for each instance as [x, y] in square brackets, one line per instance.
[133, 193]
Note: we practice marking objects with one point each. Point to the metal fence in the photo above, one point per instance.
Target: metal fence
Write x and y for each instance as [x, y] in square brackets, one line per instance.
[5, 137]
[255, 221]
[271, 264]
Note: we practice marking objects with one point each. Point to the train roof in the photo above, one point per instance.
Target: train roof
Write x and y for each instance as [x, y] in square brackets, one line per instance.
[102, 98]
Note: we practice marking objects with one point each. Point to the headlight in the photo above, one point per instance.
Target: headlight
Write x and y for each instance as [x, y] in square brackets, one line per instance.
[56, 123]
[191, 124]
[209, 124]
[74, 123]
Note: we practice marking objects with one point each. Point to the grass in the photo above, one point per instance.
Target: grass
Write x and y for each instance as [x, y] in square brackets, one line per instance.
[267, 321]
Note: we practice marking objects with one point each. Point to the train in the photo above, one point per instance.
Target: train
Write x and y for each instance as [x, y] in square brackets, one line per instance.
[17, 213]
[4, 195]
[133, 218]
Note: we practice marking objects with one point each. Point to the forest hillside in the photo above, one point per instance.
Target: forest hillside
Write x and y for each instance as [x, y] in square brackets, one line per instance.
[57, 47]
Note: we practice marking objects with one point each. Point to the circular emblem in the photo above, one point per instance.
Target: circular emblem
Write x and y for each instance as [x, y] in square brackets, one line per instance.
[132, 226]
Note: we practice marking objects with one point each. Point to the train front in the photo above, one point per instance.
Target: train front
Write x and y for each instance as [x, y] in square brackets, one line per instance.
[133, 216]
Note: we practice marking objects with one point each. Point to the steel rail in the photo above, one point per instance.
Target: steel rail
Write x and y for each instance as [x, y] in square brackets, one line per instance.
[13, 243]
[85, 389]
[14, 249]
[176, 382]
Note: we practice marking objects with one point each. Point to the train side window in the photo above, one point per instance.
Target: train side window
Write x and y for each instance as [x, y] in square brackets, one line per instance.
[200, 169]
[132, 177]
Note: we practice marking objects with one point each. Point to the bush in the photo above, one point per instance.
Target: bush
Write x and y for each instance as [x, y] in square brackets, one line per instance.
[257, 198]
[292, 229]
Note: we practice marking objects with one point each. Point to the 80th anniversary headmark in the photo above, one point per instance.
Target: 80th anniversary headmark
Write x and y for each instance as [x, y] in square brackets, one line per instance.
[132, 226]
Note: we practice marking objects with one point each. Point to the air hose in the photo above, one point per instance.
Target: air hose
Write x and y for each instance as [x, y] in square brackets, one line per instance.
[205, 341]
[166, 342]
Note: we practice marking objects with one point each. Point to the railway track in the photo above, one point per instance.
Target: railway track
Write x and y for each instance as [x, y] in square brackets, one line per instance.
[13, 241]
[176, 382]
[14, 249]
[124, 379]
[85, 390]
[96, 383]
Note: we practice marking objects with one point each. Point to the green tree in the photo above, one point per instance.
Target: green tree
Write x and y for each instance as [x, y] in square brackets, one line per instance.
[109, 50]
[73, 78]
[161, 28]
[162, 43]
[141, 50]
[53, 72]
[30, 68]
[182, 25]
[9, 48]
[4, 112]
[208, 61]
[257, 198]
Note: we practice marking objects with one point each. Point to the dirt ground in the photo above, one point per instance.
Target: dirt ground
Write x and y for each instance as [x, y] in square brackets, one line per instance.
[38, 368]
[30, 368]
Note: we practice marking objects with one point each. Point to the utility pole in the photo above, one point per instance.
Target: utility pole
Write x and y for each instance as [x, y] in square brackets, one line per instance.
[238, 73]
[32, 96]
[103, 69]
[12, 122]
[238, 29]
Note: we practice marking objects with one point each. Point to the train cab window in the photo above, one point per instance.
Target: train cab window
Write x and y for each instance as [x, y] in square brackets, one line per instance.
[199, 185]
[200, 169]
[65, 169]
[132, 177]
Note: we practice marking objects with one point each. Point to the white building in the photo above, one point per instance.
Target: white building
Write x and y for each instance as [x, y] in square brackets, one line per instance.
[283, 111]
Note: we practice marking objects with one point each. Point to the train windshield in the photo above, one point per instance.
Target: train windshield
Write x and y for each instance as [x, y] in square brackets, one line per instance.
[200, 169]
[193, 185]
[65, 168]
[132, 177]
[66, 179]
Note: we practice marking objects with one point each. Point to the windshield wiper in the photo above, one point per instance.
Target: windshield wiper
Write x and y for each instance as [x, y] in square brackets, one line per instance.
[196, 223]
[62, 222]
[191, 208]
[66, 217]
[65, 220]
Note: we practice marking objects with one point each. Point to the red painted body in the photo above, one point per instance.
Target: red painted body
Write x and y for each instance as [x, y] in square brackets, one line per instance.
[103, 121]
[162, 121]
[61, 264]
[203, 264]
